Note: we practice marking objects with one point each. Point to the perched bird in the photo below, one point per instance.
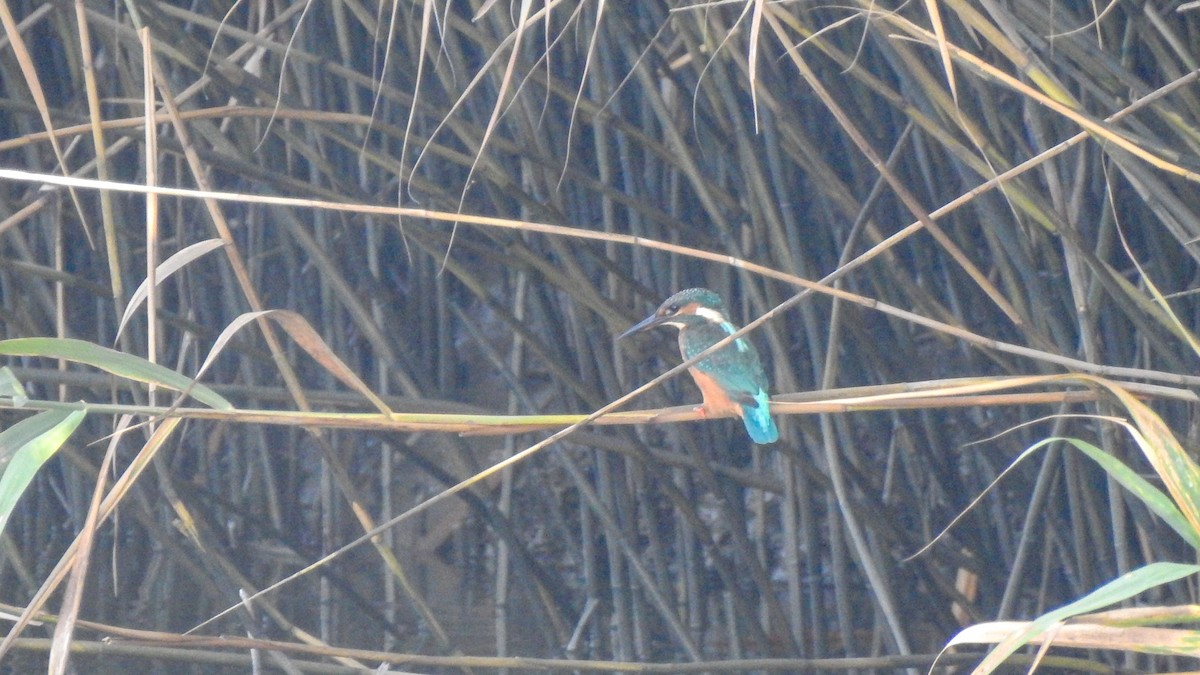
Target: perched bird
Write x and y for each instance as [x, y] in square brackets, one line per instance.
[732, 379]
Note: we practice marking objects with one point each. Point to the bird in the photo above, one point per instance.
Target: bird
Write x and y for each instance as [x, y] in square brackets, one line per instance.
[732, 379]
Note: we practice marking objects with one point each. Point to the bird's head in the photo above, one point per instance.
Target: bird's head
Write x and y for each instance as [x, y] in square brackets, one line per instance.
[691, 307]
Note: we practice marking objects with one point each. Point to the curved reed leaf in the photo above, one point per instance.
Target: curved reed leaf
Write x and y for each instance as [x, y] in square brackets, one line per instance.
[166, 268]
[1156, 500]
[118, 363]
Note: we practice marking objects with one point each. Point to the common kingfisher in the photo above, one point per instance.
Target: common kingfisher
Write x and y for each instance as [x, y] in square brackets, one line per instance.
[732, 379]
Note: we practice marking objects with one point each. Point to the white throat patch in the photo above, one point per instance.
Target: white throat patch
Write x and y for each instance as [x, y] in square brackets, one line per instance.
[712, 315]
[719, 319]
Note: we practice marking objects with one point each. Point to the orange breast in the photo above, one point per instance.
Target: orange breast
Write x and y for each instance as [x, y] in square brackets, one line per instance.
[716, 401]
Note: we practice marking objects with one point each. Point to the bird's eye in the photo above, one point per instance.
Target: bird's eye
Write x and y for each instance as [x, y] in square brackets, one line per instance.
[673, 309]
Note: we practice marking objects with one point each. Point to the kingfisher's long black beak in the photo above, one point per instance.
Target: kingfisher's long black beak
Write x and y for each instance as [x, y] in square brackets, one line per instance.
[645, 324]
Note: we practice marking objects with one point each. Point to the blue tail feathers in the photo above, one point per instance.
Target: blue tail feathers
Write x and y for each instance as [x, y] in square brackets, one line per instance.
[757, 419]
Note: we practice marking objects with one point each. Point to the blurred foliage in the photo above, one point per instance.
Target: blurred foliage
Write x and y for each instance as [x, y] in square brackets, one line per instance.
[796, 137]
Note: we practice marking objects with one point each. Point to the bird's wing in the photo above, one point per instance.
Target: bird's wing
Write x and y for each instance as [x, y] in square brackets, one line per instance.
[746, 385]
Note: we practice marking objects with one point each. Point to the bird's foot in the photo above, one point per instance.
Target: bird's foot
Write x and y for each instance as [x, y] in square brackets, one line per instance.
[701, 411]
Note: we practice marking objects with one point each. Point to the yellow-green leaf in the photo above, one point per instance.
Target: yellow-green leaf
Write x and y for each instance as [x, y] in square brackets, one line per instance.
[25, 447]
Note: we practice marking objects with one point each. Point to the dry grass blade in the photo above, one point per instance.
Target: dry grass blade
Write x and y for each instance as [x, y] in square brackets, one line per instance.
[102, 169]
[152, 237]
[64, 628]
[939, 29]
[1091, 636]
